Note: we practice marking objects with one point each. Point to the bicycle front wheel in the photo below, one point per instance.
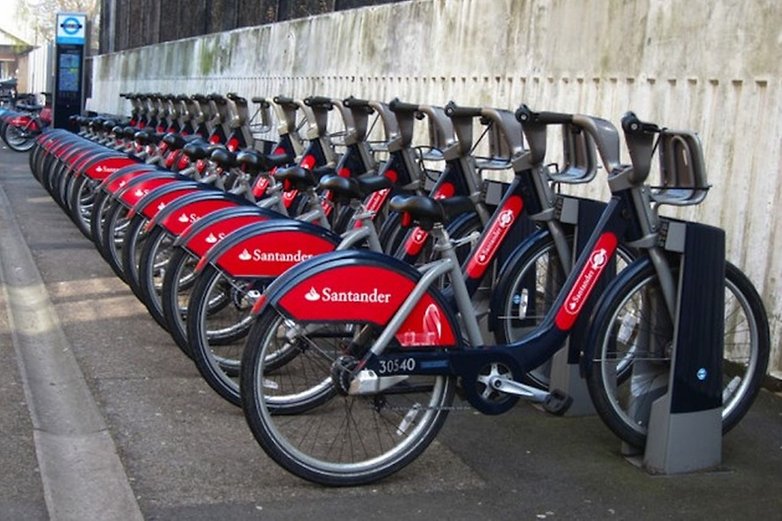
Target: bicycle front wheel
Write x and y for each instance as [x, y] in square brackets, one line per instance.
[321, 434]
[634, 343]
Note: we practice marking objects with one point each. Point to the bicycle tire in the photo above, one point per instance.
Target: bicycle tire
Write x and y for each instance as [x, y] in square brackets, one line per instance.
[325, 436]
[218, 321]
[133, 241]
[153, 263]
[82, 197]
[177, 287]
[608, 379]
[112, 236]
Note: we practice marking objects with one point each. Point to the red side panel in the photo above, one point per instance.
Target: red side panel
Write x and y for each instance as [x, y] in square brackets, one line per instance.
[119, 182]
[494, 237]
[151, 209]
[184, 217]
[598, 260]
[200, 243]
[102, 169]
[271, 253]
[134, 195]
[368, 294]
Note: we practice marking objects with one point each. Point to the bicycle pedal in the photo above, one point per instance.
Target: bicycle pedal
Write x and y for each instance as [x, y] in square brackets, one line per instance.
[557, 402]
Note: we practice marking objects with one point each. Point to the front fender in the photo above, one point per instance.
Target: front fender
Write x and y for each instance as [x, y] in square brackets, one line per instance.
[614, 290]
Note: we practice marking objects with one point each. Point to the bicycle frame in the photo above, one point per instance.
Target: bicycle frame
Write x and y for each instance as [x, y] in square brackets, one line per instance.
[627, 216]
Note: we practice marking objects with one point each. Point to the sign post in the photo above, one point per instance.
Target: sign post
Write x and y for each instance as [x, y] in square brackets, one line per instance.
[69, 67]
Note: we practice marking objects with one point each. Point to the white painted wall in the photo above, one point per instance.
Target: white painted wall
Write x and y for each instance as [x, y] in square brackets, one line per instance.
[708, 65]
[39, 70]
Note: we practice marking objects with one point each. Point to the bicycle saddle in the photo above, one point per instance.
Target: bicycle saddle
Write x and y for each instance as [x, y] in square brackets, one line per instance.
[346, 188]
[224, 158]
[428, 211]
[174, 141]
[129, 132]
[196, 150]
[144, 137]
[296, 177]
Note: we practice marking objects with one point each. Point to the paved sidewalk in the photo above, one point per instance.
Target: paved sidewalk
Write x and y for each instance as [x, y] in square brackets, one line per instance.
[187, 454]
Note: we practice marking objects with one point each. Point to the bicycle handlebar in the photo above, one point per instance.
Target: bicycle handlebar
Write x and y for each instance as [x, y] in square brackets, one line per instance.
[631, 124]
[396, 105]
[353, 102]
[286, 102]
[236, 98]
[319, 101]
[525, 115]
[454, 111]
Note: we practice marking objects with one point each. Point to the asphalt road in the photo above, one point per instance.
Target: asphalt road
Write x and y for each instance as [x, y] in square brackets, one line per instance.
[158, 441]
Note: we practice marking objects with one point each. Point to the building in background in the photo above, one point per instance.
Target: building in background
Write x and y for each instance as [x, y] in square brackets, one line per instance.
[12, 48]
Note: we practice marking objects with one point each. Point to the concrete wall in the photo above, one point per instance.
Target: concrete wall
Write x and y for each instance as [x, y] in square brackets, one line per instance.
[708, 65]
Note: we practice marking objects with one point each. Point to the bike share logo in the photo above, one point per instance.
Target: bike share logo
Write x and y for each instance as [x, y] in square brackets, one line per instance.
[101, 169]
[259, 255]
[587, 280]
[362, 297]
[504, 221]
[598, 260]
[211, 238]
[188, 218]
[432, 329]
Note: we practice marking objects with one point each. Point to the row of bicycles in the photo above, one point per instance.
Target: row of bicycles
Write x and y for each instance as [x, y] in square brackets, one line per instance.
[347, 281]
[23, 121]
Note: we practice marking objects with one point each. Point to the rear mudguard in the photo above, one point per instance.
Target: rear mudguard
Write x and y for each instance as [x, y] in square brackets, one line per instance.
[102, 168]
[203, 234]
[79, 161]
[157, 199]
[137, 186]
[269, 248]
[117, 180]
[184, 211]
[359, 286]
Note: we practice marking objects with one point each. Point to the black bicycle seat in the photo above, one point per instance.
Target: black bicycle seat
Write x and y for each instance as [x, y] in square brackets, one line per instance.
[251, 161]
[174, 141]
[428, 211]
[224, 158]
[196, 150]
[296, 177]
[345, 188]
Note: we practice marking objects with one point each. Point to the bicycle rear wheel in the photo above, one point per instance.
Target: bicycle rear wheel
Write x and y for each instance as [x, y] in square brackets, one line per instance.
[321, 434]
[632, 360]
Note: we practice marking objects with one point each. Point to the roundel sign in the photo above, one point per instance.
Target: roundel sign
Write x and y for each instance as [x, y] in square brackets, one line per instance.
[71, 28]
